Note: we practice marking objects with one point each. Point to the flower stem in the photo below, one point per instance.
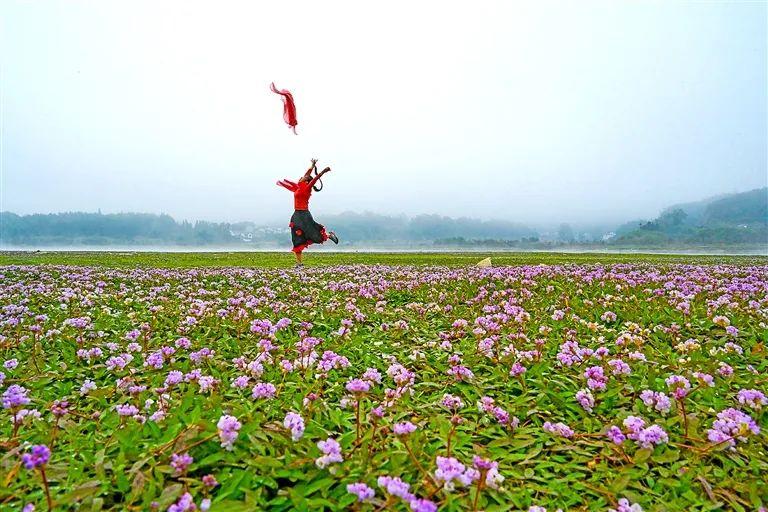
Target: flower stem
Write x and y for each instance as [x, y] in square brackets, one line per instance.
[480, 483]
[357, 421]
[685, 418]
[450, 435]
[47, 490]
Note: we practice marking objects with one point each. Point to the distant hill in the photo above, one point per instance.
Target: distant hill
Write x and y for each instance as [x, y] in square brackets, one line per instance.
[121, 229]
[78, 228]
[740, 208]
[740, 218]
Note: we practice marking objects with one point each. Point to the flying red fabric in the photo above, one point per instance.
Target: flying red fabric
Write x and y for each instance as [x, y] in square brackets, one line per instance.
[289, 107]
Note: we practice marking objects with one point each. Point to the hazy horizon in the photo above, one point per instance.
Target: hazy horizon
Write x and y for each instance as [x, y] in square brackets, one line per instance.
[278, 221]
[537, 113]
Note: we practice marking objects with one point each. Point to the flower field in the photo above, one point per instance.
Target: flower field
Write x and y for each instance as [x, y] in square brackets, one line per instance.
[626, 386]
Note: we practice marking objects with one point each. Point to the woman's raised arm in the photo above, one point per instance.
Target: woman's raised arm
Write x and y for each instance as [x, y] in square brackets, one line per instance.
[287, 184]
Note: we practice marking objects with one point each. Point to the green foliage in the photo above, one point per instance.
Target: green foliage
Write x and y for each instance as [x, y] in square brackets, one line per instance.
[285, 259]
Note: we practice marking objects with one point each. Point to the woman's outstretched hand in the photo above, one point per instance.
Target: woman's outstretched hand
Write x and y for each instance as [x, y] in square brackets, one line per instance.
[327, 169]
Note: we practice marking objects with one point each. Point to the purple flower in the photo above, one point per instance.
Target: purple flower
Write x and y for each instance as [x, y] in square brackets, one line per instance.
[732, 425]
[228, 428]
[559, 429]
[657, 400]
[60, 408]
[38, 456]
[358, 386]
[15, 396]
[705, 379]
[646, 437]
[240, 382]
[486, 404]
[653, 435]
[451, 402]
[401, 375]
[752, 398]
[264, 390]
[295, 423]
[422, 505]
[634, 423]
[460, 372]
[372, 375]
[88, 386]
[174, 377]
[180, 462]
[185, 504]
[596, 378]
[362, 491]
[626, 506]
[209, 481]
[450, 471]
[679, 386]
[330, 360]
[404, 428]
[331, 450]
[619, 367]
[11, 364]
[206, 383]
[725, 370]
[395, 487]
[126, 409]
[615, 435]
[585, 399]
[493, 478]
[517, 369]
[155, 360]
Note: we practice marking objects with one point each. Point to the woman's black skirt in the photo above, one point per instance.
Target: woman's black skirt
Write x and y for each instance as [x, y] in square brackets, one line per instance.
[305, 231]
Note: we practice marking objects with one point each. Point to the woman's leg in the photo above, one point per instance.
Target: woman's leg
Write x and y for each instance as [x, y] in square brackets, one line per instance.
[298, 257]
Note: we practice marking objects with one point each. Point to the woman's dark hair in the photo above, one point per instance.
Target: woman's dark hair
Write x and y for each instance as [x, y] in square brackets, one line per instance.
[319, 181]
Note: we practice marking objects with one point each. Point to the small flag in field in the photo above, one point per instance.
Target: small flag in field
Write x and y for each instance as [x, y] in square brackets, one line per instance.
[484, 263]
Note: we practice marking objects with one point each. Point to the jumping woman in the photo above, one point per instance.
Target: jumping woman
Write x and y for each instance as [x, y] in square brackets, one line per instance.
[304, 230]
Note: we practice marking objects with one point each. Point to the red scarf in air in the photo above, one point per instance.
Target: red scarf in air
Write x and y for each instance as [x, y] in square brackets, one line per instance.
[289, 108]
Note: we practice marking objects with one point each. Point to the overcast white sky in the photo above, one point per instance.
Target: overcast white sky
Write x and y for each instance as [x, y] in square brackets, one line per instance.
[528, 111]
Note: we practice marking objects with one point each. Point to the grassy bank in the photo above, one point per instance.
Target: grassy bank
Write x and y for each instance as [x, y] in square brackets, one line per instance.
[283, 259]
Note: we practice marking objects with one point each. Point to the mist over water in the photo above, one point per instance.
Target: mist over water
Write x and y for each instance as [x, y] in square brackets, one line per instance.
[133, 249]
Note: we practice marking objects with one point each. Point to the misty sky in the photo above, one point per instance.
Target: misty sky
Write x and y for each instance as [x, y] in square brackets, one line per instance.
[528, 111]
